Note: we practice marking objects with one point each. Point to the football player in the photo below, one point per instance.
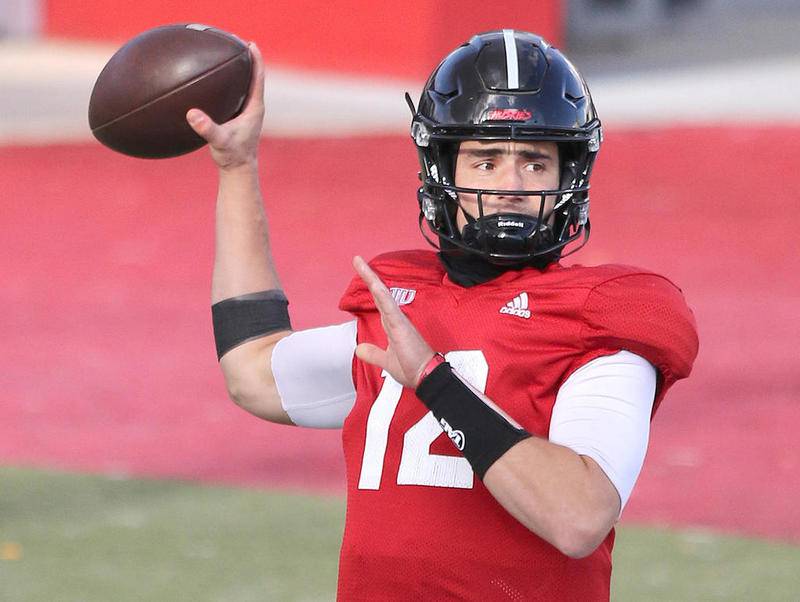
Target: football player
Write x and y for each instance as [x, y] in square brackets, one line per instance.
[494, 404]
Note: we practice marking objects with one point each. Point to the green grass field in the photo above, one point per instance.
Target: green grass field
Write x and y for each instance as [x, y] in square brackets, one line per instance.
[67, 537]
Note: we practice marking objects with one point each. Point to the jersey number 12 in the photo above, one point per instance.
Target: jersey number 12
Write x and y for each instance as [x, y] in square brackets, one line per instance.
[417, 465]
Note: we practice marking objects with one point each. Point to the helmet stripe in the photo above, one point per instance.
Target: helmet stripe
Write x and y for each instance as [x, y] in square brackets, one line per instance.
[512, 67]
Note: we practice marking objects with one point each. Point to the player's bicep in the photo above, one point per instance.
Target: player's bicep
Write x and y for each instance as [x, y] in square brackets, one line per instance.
[603, 411]
[313, 372]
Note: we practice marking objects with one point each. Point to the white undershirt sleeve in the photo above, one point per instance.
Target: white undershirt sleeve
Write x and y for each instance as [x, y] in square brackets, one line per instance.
[603, 411]
[313, 371]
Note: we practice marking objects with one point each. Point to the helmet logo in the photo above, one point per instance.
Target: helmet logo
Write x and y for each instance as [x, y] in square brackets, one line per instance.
[506, 115]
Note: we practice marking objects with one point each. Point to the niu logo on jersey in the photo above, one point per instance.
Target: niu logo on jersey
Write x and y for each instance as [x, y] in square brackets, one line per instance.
[518, 306]
[457, 437]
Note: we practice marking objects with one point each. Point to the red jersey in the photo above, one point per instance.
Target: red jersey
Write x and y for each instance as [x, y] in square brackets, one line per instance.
[419, 525]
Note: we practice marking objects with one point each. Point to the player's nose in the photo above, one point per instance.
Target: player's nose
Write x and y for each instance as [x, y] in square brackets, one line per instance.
[510, 179]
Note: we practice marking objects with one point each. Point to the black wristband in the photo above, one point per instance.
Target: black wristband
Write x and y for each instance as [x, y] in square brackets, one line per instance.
[478, 430]
[240, 319]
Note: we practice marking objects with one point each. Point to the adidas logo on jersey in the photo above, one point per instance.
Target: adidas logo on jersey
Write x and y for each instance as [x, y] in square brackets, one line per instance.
[518, 306]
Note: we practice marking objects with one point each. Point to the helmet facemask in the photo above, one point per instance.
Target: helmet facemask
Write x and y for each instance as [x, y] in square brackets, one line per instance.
[505, 238]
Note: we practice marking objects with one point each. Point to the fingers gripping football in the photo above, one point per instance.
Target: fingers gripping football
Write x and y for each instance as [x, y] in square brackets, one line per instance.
[235, 142]
[407, 353]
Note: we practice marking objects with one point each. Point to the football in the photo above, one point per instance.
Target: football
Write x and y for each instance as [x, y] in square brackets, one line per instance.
[139, 102]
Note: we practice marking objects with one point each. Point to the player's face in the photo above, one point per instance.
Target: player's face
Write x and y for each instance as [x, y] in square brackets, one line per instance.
[506, 165]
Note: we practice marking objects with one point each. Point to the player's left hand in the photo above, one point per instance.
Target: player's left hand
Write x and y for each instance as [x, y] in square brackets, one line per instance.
[408, 353]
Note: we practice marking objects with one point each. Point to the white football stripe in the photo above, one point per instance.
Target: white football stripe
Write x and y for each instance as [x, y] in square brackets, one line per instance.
[512, 67]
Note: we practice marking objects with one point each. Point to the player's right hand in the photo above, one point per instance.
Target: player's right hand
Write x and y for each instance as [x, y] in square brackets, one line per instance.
[235, 142]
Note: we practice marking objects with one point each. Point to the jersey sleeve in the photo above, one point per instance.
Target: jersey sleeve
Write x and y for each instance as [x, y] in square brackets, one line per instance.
[397, 269]
[645, 314]
[603, 411]
[357, 298]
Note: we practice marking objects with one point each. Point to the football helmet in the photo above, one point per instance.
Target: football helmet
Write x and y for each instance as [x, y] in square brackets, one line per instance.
[505, 85]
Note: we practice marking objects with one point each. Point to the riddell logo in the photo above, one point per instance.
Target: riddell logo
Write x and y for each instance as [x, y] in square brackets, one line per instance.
[506, 115]
[457, 437]
[518, 306]
[508, 224]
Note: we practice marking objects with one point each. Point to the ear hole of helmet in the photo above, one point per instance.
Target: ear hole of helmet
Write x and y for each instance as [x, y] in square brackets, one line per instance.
[443, 156]
[435, 208]
[572, 156]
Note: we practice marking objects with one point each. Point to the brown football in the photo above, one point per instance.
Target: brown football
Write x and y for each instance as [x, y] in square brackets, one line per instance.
[140, 99]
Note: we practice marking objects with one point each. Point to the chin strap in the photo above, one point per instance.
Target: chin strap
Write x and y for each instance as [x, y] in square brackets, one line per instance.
[508, 233]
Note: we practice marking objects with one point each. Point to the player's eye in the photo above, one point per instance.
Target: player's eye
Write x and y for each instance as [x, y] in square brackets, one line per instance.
[484, 166]
[535, 167]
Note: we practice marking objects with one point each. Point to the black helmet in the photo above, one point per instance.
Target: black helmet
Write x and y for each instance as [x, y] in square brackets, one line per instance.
[506, 85]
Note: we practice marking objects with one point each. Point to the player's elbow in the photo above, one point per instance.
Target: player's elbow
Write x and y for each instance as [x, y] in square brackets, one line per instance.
[575, 532]
[255, 395]
[249, 381]
[257, 398]
[577, 543]
[241, 393]
[588, 519]
[580, 536]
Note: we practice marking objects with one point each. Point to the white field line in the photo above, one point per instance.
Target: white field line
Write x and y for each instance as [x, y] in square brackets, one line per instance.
[45, 88]
[766, 91]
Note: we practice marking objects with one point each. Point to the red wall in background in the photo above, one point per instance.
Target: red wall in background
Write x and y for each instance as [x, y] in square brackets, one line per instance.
[357, 36]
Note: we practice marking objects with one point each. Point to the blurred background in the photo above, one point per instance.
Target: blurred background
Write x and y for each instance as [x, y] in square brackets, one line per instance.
[126, 474]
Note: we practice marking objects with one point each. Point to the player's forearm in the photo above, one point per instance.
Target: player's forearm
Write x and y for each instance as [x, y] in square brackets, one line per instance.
[564, 498]
[242, 265]
[243, 262]
[561, 496]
